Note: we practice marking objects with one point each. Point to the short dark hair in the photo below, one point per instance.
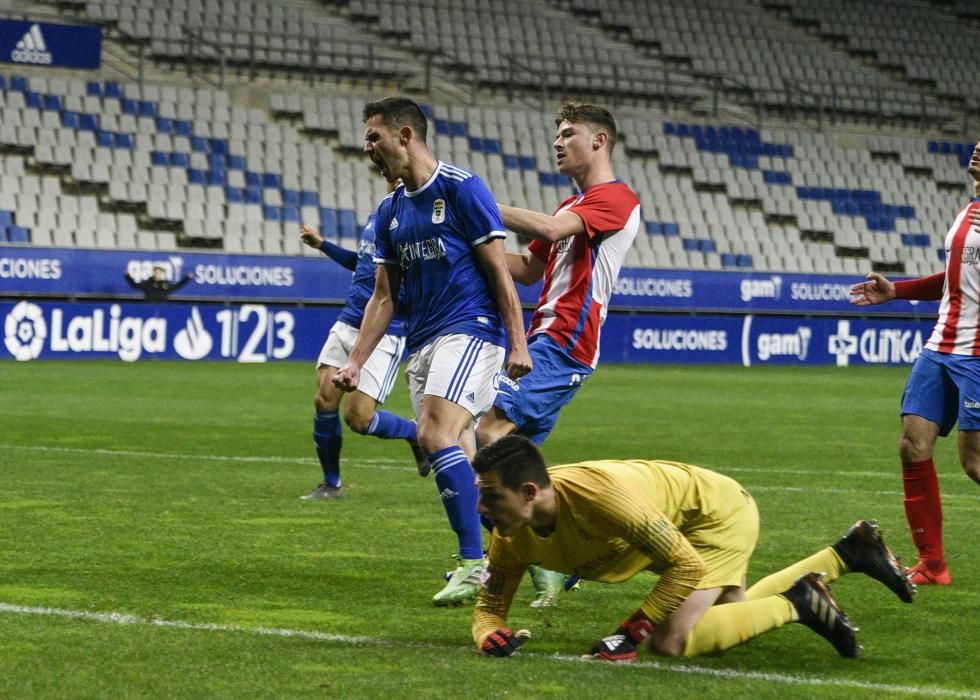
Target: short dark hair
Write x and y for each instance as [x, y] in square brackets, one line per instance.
[516, 459]
[599, 118]
[398, 112]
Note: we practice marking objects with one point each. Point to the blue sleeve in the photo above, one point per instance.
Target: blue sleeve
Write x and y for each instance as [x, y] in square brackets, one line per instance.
[477, 211]
[340, 255]
[383, 251]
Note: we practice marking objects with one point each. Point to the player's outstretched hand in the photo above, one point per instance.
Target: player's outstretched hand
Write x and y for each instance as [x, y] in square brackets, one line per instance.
[310, 236]
[347, 377]
[503, 642]
[876, 290]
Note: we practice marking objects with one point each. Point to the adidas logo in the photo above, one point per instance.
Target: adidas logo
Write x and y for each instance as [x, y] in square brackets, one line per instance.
[448, 493]
[394, 223]
[32, 48]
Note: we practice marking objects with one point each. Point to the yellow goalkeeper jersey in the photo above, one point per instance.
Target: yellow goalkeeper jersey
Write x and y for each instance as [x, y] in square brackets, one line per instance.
[617, 518]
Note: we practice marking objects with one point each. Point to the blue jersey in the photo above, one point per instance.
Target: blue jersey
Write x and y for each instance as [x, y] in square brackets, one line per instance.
[431, 234]
[362, 284]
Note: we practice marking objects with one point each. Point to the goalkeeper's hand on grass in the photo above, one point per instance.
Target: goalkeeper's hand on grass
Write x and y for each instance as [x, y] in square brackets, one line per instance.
[503, 642]
[620, 646]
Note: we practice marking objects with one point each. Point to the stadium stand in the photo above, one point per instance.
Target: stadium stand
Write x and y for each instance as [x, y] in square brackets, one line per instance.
[170, 164]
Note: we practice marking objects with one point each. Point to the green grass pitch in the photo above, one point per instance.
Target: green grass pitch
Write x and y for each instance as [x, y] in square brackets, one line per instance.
[152, 543]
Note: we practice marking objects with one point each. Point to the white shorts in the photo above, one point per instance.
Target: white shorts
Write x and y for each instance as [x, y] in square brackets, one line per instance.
[381, 369]
[457, 367]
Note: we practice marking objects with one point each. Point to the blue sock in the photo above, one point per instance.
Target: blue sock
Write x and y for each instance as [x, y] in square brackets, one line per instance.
[386, 424]
[457, 486]
[327, 437]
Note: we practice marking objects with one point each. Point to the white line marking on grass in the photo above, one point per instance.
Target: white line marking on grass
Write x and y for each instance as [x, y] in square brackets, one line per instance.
[127, 619]
[387, 464]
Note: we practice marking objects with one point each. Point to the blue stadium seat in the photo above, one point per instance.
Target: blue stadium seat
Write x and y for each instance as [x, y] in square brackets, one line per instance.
[670, 229]
[195, 176]
[527, 163]
[290, 215]
[328, 222]
[184, 127]
[547, 179]
[3, 82]
[88, 122]
[129, 106]
[253, 179]
[743, 261]
[18, 83]
[272, 180]
[218, 176]
[219, 146]
[123, 141]
[147, 108]
[216, 161]
[236, 163]
[93, 88]
[653, 228]
[34, 99]
[253, 195]
[427, 111]
[728, 260]
[290, 198]
[442, 127]
[933, 147]
[104, 139]
[476, 144]
[511, 162]
[706, 245]
[308, 198]
[271, 213]
[234, 195]
[6, 218]
[17, 234]
[112, 89]
[3, 234]
[159, 158]
[165, 126]
[492, 146]
[347, 223]
[53, 102]
[69, 120]
[180, 160]
[457, 128]
[199, 144]
[689, 244]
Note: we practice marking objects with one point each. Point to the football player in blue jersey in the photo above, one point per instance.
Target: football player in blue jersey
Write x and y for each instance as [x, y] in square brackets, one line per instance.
[361, 412]
[439, 234]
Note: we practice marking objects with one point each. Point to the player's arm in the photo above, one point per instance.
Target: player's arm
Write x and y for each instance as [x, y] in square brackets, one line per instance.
[378, 314]
[504, 574]
[640, 523]
[539, 226]
[878, 289]
[131, 282]
[526, 269]
[340, 255]
[187, 278]
[493, 258]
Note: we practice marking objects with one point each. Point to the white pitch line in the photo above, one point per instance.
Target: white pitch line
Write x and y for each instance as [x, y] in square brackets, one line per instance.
[387, 464]
[728, 673]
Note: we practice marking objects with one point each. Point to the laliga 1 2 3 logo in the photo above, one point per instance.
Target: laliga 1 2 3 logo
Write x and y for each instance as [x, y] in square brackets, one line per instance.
[25, 331]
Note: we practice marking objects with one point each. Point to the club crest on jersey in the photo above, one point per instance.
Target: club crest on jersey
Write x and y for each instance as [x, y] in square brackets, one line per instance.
[438, 211]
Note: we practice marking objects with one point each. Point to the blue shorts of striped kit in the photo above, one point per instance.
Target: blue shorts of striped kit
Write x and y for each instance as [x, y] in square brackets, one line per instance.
[944, 389]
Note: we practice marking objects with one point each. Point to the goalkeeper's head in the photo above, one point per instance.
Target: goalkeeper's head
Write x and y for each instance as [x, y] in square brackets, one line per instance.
[514, 486]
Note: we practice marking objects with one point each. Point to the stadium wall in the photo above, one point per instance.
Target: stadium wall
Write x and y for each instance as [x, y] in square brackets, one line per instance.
[75, 304]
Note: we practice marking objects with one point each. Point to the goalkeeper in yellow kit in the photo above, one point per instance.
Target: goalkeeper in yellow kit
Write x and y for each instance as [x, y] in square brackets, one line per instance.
[609, 520]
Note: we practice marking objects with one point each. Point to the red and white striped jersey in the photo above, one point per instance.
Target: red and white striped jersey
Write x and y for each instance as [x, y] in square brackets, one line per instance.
[957, 330]
[580, 270]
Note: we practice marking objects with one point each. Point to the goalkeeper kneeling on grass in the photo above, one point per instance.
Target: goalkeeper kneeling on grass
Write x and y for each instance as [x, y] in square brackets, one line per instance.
[610, 520]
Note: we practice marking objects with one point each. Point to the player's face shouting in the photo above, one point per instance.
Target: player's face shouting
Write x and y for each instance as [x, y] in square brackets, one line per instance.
[382, 145]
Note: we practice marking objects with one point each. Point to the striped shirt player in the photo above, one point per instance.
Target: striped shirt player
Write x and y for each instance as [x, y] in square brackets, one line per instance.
[580, 272]
[944, 386]
[378, 376]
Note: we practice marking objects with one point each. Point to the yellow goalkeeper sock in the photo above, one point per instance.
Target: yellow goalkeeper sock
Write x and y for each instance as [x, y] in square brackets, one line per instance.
[725, 626]
[826, 561]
